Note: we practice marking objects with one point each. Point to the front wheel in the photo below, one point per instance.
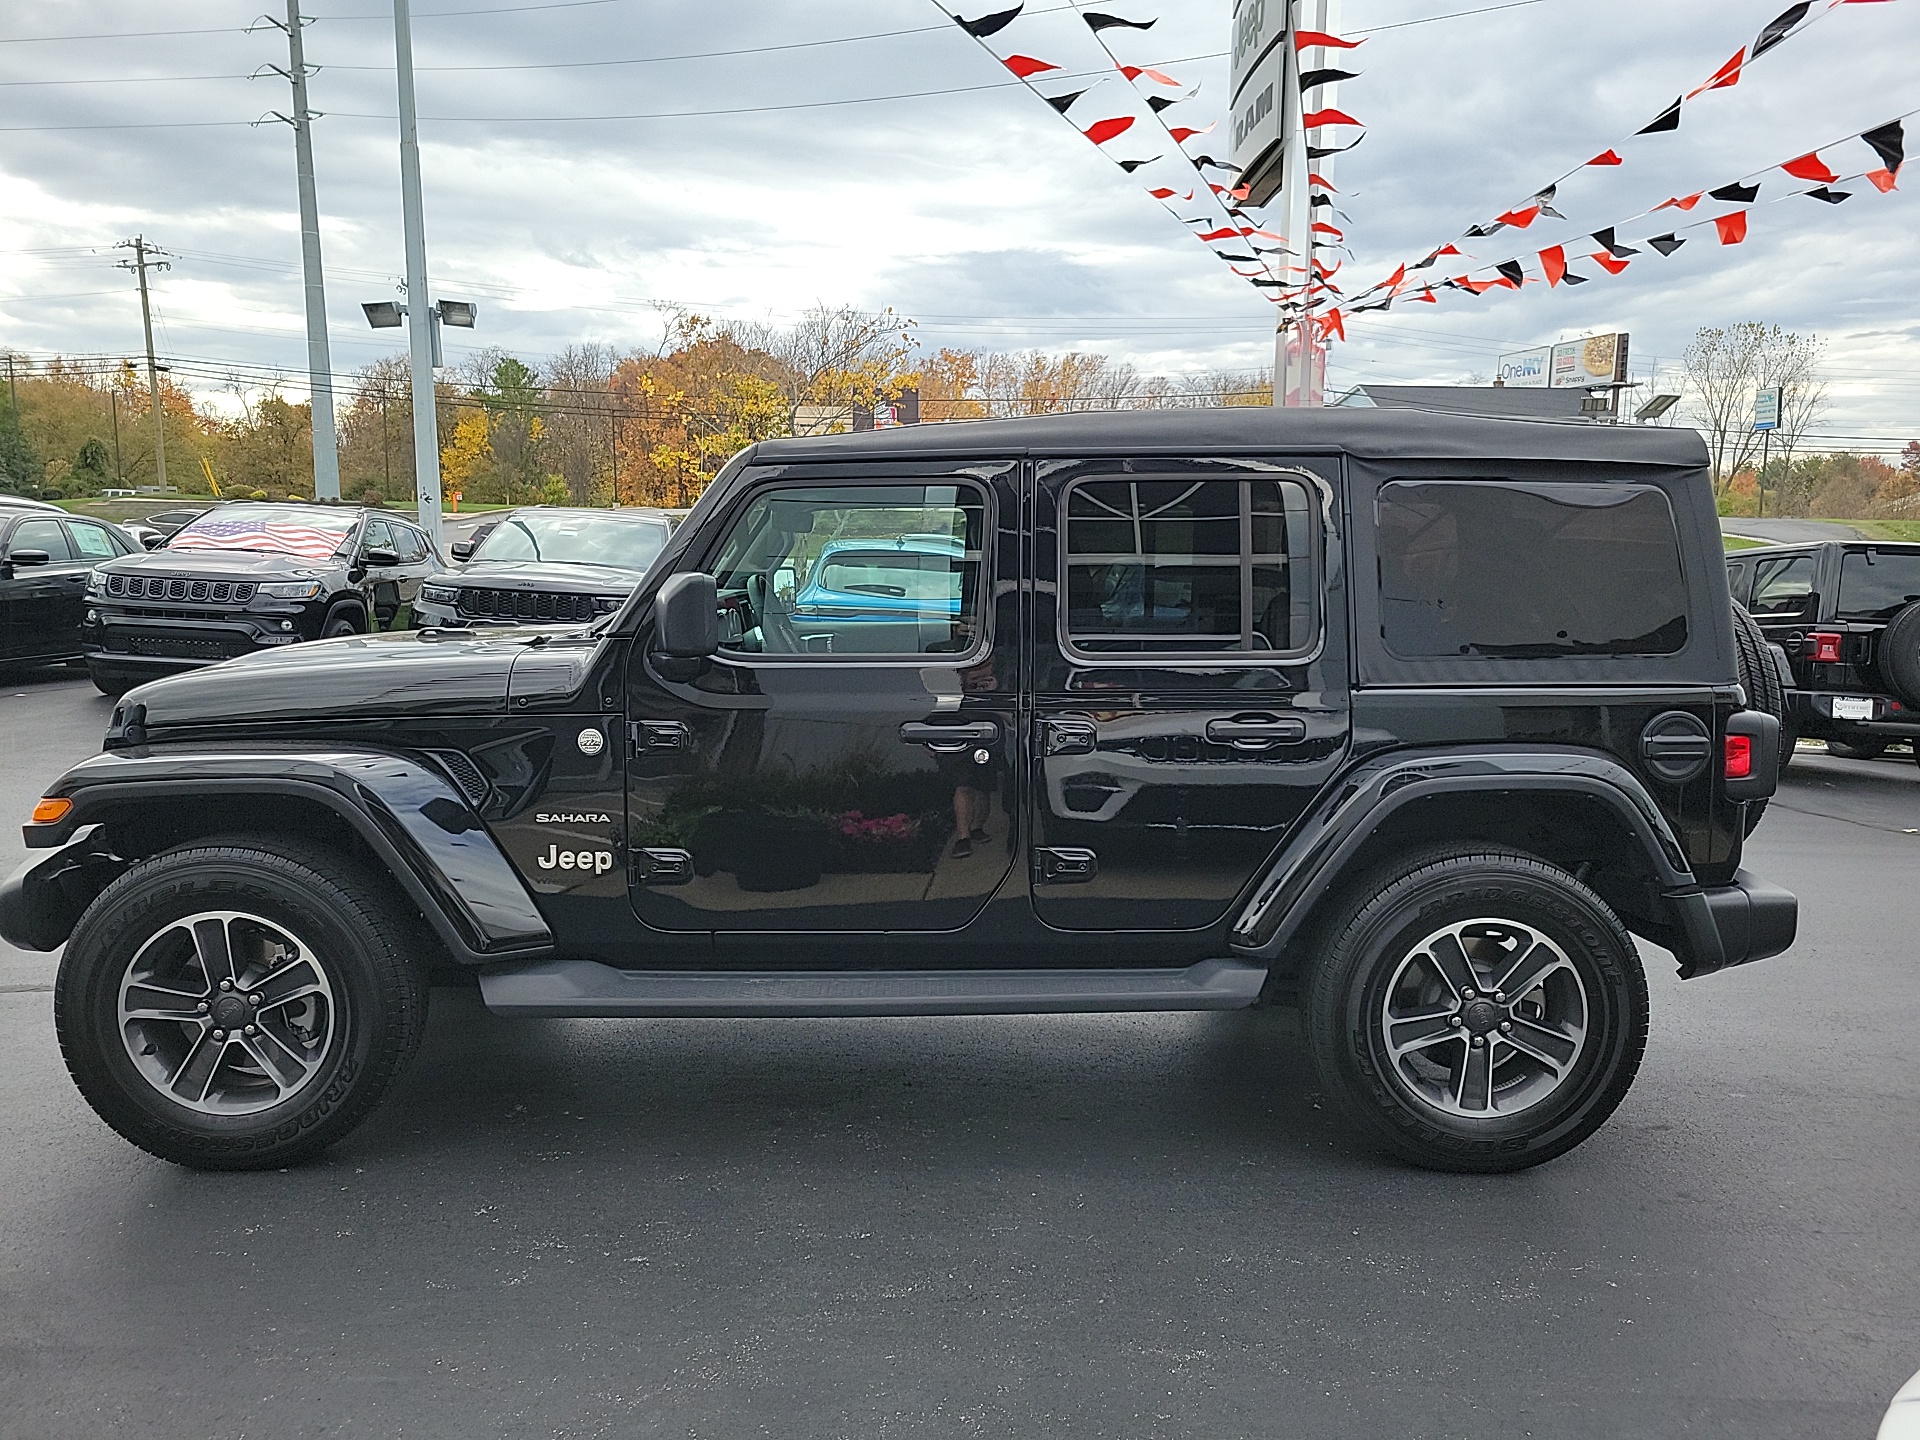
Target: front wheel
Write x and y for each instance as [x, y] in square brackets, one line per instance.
[239, 1006]
[1478, 1011]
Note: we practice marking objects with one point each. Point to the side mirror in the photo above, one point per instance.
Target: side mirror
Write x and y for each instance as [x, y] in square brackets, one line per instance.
[462, 549]
[153, 542]
[380, 557]
[32, 557]
[686, 617]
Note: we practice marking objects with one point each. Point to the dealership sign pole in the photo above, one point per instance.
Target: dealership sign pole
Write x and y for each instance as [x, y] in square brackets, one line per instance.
[421, 316]
[1766, 419]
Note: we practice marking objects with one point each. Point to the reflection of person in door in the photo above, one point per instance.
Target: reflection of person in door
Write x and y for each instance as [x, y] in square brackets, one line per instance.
[973, 781]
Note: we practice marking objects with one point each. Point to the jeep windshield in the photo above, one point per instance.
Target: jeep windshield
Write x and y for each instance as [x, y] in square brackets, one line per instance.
[307, 531]
[576, 539]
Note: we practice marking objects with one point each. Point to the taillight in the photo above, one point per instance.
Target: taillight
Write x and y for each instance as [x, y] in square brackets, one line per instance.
[1739, 757]
[1823, 647]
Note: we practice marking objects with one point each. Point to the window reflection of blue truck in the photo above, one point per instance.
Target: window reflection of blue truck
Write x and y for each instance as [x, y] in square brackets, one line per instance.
[888, 579]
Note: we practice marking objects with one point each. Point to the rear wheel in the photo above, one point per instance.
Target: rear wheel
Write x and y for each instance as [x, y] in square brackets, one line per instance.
[239, 1006]
[1478, 1010]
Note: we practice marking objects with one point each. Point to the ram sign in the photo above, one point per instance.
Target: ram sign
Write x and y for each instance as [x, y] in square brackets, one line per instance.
[1260, 54]
[1583, 364]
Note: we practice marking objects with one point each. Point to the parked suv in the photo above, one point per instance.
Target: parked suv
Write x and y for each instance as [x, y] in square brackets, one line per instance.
[1413, 720]
[545, 565]
[45, 558]
[1847, 613]
[249, 577]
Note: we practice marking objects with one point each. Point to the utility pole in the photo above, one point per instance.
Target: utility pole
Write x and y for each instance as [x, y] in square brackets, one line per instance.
[422, 315]
[13, 392]
[140, 264]
[119, 472]
[326, 451]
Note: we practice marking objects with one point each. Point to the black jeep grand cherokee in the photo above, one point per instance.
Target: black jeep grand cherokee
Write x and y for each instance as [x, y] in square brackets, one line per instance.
[1413, 720]
[246, 577]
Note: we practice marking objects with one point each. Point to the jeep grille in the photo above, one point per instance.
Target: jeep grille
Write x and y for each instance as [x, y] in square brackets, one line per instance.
[159, 587]
[548, 605]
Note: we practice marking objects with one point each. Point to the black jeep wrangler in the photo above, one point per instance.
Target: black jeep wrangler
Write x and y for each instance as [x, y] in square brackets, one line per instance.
[246, 577]
[1847, 613]
[1410, 719]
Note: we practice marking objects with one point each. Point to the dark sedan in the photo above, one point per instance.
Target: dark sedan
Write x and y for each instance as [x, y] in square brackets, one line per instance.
[544, 566]
[45, 558]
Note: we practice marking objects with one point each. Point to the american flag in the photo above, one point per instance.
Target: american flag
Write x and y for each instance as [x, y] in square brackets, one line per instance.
[256, 532]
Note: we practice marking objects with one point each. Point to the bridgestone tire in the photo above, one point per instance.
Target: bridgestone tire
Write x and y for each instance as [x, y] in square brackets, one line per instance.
[1385, 920]
[360, 938]
[1899, 655]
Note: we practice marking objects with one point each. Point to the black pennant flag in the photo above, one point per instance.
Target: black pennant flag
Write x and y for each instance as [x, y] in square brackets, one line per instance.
[1227, 165]
[1831, 196]
[1324, 77]
[1614, 247]
[1668, 119]
[1513, 271]
[1572, 279]
[1063, 102]
[1778, 28]
[1475, 232]
[1666, 244]
[1230, 255]
[1889, 142]
[990, 24]
[1132, 165]
[1736, 194]
[1098, 20]
[1320, 152]
[1157, 103]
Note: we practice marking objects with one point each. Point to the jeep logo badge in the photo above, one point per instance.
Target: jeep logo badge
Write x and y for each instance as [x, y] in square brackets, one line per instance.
[591, 741]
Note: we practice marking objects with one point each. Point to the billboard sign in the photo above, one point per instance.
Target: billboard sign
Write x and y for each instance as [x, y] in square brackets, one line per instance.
[1260, 55]
[1766, 408]
[1526, 369]
[1585, 364]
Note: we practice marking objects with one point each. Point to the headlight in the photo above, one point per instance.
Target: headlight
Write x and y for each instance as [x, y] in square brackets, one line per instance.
[440, 594]
[291, 590]
[607, 604]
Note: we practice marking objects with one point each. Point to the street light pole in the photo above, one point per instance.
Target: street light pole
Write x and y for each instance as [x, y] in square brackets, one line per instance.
[421, 314]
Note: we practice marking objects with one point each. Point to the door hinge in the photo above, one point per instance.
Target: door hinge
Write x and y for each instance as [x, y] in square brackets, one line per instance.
[662, 867]
[1066, 865]
[645, 736]
[1068, 737]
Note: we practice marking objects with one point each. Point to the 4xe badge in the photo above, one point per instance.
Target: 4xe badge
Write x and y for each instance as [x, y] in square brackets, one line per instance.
[594, 862]
[591, 741]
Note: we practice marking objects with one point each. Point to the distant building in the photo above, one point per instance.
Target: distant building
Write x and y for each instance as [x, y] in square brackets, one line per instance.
[1505, 401]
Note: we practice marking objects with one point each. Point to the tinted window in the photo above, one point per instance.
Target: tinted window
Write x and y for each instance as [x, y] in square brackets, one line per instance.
[377, 536]
[1181, 568]
[1737, 580]
[1783, 586]
[94, 542]
[907, 584]
[47, 535]
[1521, 571]
[1877, 584]
[572, 537]
[412, 542]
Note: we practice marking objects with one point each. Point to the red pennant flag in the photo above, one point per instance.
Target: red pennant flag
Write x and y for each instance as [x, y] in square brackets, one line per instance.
[1322, 182]
[1476, 287]
[1323, 272]
[1025, 65]
[1134, 72]
[1322, 228]
[1165, 192]
[1427, 297]
[1447, 250]
[1726, 76]
[1314, 119]
[1241, 193]
[1183, 133]
[1810, 167]
[1392, 282]
[1307, 39]
[1882, 180]
[1102, 131]
[1225, 232]
[1332, 324]
[1553, 260]
[1733, 228]
[1606, 262]
[1607, 157]
[1681, 202]
[1519, 219]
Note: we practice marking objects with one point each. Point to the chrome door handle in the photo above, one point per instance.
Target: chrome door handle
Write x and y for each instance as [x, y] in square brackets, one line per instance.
[950, 739]
[1256, 732]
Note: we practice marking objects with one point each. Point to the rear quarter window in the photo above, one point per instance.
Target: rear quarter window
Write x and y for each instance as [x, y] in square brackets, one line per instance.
[1512, 570]
[1877, 584]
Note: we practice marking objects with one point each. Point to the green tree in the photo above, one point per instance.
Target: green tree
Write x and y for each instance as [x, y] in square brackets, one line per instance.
[19, 466]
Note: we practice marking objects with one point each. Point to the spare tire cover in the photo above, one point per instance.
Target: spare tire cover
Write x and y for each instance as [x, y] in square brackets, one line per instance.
[1900, 654]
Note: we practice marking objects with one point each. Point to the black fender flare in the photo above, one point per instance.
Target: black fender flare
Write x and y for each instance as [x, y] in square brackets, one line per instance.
[406, 811]
[1313, 861]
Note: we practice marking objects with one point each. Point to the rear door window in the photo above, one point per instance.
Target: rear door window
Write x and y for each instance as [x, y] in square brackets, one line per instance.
[1783, 587]
[1878, 584]
[1503, 569]
[1737, 578]
[94, 542]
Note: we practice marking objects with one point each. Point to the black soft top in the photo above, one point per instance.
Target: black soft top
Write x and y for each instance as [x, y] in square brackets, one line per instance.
[1385, 435]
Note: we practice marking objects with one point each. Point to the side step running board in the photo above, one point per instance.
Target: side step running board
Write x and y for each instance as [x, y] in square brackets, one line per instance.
[585, 987]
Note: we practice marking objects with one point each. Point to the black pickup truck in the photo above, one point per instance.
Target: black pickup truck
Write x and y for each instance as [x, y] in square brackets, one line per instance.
[1411, 720]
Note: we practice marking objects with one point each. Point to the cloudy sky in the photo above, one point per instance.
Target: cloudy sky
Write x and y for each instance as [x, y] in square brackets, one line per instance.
[585, 161]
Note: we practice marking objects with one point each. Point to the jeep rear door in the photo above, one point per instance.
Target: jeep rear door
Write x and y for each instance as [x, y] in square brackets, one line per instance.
[1188, 680]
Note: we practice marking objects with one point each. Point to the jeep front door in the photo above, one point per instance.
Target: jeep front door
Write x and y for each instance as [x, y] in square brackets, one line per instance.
[1189, 681]
[846, 763]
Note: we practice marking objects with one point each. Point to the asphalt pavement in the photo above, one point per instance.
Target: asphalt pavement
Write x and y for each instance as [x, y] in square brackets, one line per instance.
[1061, 1226]
[1787, 532]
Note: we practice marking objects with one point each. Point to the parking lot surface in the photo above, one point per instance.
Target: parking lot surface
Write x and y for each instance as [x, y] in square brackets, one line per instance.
[1099, 1226]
